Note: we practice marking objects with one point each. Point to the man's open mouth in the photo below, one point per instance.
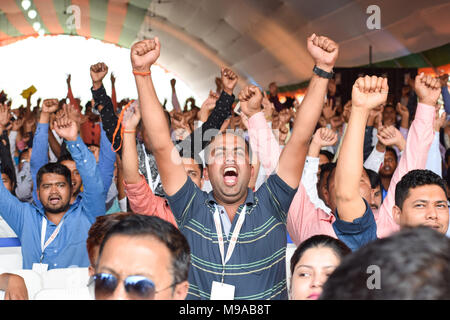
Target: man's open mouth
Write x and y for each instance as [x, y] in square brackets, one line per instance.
[230, 176]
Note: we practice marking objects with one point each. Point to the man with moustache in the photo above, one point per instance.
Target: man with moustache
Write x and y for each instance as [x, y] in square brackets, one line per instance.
[237, 236]
[54, 235]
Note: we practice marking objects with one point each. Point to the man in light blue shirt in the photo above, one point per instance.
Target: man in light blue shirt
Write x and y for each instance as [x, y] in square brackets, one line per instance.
[55, 232]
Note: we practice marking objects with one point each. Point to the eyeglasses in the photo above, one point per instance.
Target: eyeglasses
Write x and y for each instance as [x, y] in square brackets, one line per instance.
[137, 287]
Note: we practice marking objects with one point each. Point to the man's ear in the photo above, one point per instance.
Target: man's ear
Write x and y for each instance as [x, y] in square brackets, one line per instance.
[326, 196]
[396, 214]
[205, 174]
[181, 290]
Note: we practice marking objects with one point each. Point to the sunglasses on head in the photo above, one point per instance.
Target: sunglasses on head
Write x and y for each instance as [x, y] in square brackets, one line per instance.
[137, 287]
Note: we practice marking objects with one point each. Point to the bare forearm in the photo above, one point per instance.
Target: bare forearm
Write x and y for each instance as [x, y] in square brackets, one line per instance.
[168, 160]
[350, 164]
[153, 115]
[314, 150]
[130, 158]
[292, 159]
[54, 145]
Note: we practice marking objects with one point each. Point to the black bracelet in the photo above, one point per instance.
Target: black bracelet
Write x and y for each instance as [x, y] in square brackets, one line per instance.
[322, 73]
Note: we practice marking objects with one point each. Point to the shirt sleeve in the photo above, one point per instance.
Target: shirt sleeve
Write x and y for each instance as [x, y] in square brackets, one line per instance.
[181, 202]
[94, 195]
[39, 156]
[374, 161]
[24, 189]
[280, 195]
[143, 201]
[106, 160]
[200, 137]
[420, 137]
[263, 142]
[309, 182]
[359, 232]
[12, 210]
[434, 160]
[108, 116]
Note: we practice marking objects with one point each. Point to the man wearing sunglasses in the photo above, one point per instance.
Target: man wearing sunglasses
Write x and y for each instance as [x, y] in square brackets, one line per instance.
[142, 258]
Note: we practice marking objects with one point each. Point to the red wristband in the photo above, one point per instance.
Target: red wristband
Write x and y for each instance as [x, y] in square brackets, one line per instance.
[139, 73]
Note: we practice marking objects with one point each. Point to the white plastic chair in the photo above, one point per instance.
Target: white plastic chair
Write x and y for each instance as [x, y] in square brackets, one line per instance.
[64, 294]
[65, 278]
[33, 281]
[11, 258]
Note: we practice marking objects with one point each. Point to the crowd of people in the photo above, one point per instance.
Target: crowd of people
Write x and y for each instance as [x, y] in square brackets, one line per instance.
[200, 202]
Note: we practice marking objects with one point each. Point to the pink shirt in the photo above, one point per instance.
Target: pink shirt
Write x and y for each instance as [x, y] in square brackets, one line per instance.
[143, 201]
[304, 220]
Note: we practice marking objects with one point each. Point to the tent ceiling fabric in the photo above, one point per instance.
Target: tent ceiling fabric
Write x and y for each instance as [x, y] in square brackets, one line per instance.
[262, 40]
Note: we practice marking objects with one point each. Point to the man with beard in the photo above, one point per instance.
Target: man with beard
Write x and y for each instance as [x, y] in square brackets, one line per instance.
[39, 156]
[237, 237]
[53, 234]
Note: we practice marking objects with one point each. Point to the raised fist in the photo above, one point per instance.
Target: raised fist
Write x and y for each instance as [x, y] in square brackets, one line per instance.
[5, 115]
[323, 50]
[131, 116]
[391, 136]
[369, 92]
[250, 99]
[65, 127]
[325, 137]
[428, 89]
[50, 105]
[172, 83]
[229, 80]
[98, 72]
[145, 53]
[402, 110]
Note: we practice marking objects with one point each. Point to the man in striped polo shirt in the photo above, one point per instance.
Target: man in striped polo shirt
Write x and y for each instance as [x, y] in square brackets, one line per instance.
[237, 237]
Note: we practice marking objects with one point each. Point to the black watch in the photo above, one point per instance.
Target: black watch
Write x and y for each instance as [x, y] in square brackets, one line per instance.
[322, 73]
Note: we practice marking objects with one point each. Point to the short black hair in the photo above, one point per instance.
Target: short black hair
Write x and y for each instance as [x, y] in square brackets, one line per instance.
[327, 154]
[198, 161]
[411, 264]
[137, 225]
[11, 173]
[65, 157]
[413, 179]
[56, 168]
[374, 178]
[447, 154]
[392, 150]
[319, 241]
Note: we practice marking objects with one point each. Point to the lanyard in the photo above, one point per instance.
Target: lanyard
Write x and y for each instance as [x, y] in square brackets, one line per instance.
[149, 172]
[51, 238]
[233, 240]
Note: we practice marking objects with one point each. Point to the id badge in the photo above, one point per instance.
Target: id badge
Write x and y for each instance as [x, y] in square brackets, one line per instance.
[40, 267]
[222, 291]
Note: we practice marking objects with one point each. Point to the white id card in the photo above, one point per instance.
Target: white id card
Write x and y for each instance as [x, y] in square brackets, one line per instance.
[40, 267]
[222, 291]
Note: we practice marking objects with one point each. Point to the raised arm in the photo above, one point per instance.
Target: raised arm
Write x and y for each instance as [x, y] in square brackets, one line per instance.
[324, 53]
[39, 156]
[73, 102]
[94, 195]
[109, 118]
[131, 119]
[113, 92]
[367, 93]
[420, 138]
[200, 137]
[143, 55]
